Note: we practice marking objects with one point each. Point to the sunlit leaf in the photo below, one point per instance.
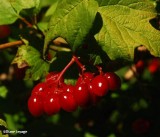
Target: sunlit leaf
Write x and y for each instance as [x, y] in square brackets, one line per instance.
[72, 21]
[125, 26]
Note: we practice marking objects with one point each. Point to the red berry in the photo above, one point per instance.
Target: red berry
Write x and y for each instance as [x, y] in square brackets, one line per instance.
[68, 102]
[100, 85]
[93, 99]
[113, 80]
[51, 104]
[69, 88]
[85, 78]
[81, 94]
[154, 65]
[56, 88]
[40, 89]
[5, 31]
[140, 66]
[35, 105]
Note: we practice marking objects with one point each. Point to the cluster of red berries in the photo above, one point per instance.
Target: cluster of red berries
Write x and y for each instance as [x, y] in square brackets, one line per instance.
[51, 96]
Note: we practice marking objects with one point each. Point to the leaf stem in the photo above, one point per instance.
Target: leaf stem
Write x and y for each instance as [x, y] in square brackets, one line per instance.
[11, 44]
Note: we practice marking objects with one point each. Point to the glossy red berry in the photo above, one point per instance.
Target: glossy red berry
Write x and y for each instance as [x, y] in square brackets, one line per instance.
[93, 98]
[85, 78]
[68, 88]
[5, 31]
[114, 80]
[55, 90]
[100, 85]
[51, 104]
[81, 94]
[40, 89]
[35, 105]
[68, 102]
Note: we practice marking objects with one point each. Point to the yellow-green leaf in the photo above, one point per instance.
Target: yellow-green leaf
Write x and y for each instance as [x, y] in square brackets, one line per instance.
[126, 25]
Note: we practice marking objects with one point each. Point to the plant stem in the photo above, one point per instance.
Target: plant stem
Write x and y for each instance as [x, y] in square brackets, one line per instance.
[79, 64]
[26, 22]
[74, 59]
[99, 70]
[11, 44]
[64, 70]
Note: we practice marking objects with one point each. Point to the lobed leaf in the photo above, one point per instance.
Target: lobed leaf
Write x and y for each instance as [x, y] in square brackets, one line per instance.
[126, 25]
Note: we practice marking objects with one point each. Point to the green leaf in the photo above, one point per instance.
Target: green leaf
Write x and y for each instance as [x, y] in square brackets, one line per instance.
[3, 91]
[10, 9]
[3, 123]
[45, 3]
[51, 10]
[125, 26]
[29, 56]
[42, 26]
[87, 134]
[72, 21]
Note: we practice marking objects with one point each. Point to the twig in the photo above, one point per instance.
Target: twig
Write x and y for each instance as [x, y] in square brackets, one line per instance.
[26, 22]
[11, 44]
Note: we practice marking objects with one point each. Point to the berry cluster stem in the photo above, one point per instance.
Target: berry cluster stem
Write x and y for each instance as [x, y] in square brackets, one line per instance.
[79, 64]
[74, 59]
[99, 70]
[64, 70]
